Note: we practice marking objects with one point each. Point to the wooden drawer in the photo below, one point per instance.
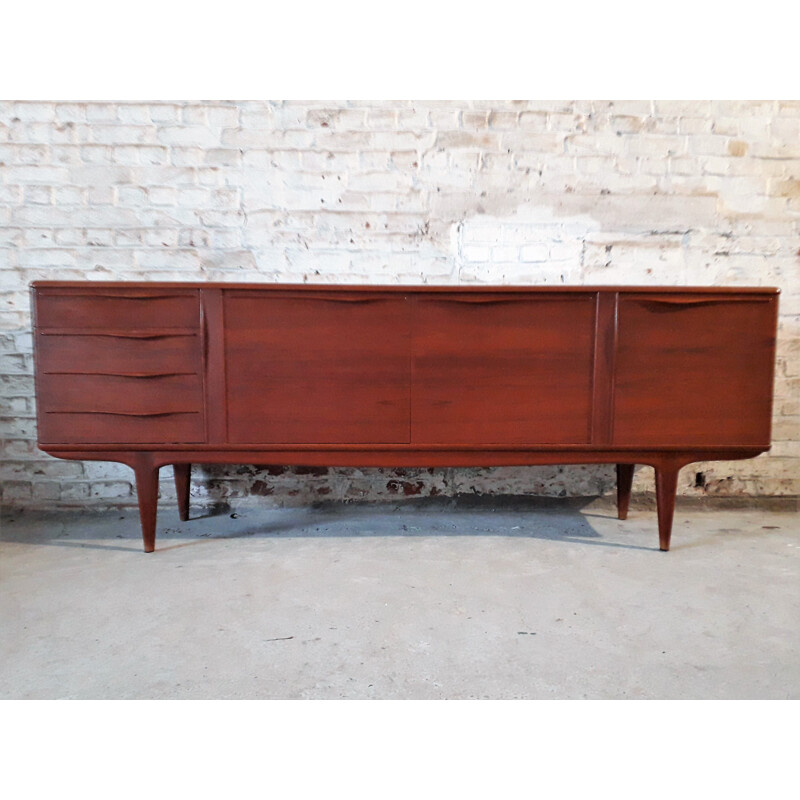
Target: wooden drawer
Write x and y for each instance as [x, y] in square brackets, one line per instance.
[117, 388]
[117, 354]
[111, 428]
[117, 309]
[123, 394]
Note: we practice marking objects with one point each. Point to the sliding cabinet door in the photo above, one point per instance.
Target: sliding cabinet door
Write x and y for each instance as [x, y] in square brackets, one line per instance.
[316, 367]
[499, 368]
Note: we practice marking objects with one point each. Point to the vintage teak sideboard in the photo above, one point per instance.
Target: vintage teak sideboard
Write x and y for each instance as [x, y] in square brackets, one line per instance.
[151, 374]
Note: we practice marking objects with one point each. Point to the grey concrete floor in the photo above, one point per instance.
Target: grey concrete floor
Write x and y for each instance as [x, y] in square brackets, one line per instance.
[431, 599]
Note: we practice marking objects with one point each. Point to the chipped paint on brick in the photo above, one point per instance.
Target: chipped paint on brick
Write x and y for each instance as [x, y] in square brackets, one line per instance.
[399, 192]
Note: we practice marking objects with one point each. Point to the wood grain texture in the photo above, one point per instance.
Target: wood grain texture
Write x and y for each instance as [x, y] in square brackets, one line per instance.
[156, 374]
[624, 483]
[119, 308]
[212, 340]
[145, 287]
[694, 370]
[183, 474]
[605, 353]
[491, 369]
[317, 369]
[142, 394]
[115, 355]
[666, 489]
[119, 365]
[409, 456]
[147, 493]
[157, 428]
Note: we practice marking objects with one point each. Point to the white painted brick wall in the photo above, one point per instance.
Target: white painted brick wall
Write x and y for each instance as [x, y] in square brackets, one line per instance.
[556, 192]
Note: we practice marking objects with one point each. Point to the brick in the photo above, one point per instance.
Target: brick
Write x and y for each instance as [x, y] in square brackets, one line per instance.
[536, 252]
[188, 136]
[264, 138]
[34, 112]
[223, 157]
[134, 114]
[481, 192]
[109, 490]
[186, 156]
[36, 174]
[102, 112]
[164, 113]
[223, 116]
[70, 112]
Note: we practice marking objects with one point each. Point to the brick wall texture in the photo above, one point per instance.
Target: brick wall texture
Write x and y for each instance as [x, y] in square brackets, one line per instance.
[510, 192]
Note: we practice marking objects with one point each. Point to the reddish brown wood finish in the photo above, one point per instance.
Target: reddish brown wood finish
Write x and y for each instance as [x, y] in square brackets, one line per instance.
[182, 478]
[666, 488]
[316, 367]
[480, 363]
[694, 369]
[624, 483]
[605, 350]
[123, 307]
[106, 353]
[154, 374]
[147, 490]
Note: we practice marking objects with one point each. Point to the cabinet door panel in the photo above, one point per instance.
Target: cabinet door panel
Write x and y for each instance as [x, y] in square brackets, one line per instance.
[319, 369]
[694, 370]
[494, 369]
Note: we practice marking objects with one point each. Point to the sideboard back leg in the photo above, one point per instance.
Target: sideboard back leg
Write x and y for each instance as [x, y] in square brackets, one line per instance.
[624, 482]
[666, 490]
[147, 491]
[182, 477]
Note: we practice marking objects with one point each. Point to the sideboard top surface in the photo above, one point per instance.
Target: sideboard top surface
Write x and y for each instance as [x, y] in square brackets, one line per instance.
[345, 287]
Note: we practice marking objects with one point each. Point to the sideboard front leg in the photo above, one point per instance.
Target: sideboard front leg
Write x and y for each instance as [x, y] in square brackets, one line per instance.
[666, 490]
[182, 477]
[147, 491]
[624, 483]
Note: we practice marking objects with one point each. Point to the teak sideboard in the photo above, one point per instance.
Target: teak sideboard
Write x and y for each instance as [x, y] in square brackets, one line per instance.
[150, 374]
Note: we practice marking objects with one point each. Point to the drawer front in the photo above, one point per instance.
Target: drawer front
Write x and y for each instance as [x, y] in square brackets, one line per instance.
[122, 394]
[117, 309]
[119, 388]
[94, 428]
[493, 369]
[694, 370]
[117, 354]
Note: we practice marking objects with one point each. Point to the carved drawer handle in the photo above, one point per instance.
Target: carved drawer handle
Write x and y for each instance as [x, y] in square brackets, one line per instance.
[588, 297]
[158, 333]
[134, 375]
[484, 301]
[112, 296]
[362, 300]
[684, 302]
[204, 331]
[128, 413]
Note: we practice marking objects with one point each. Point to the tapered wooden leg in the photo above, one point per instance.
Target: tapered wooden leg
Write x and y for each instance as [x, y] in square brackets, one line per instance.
[182, 476]
[666, 489]
[624, 483]
[147, 491]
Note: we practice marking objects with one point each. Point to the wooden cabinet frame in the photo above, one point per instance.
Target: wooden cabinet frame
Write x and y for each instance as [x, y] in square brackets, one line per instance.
[564, 369]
